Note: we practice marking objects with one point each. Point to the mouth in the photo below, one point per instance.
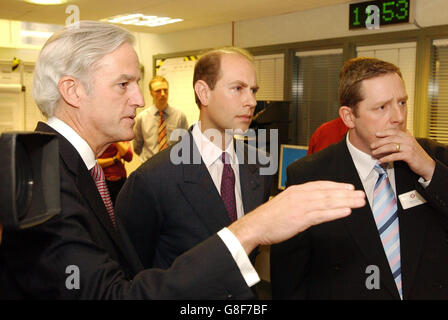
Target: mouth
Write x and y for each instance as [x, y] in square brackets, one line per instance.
[131, 118]
[245, 118]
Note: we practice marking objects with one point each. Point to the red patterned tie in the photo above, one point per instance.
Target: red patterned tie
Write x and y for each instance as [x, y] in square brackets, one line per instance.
[228, 188]
[100, 181]
[161, 139]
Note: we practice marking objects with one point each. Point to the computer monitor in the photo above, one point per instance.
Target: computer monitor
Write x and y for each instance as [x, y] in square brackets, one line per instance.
[288, 154]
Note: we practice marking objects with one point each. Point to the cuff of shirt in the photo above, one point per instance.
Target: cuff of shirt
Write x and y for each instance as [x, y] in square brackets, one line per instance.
[239, 255]
[423, 182]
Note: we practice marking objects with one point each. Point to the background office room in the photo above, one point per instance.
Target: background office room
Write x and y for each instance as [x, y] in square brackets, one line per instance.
[299, 48]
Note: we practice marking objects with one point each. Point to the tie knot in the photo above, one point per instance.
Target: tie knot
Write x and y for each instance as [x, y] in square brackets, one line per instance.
[161, 114]
[97, 173]
[379, 169]
[225, 158]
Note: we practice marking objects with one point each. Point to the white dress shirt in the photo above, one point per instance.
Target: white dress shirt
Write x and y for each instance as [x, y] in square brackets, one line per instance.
[73, 137]
[211, 155]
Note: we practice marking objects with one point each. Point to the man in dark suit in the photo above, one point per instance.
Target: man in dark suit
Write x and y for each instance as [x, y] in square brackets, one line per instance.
[86, 83]
[396, 246]
[168, 207]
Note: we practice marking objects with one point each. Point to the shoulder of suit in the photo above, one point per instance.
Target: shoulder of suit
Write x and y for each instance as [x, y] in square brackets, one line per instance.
[319, 160]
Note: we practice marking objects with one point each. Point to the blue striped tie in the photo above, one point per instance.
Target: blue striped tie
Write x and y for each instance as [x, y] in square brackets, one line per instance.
[386, 218]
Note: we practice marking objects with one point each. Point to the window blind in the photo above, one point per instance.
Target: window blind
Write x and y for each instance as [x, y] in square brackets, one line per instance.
[315, 90]
[270, 76]
[438, 92]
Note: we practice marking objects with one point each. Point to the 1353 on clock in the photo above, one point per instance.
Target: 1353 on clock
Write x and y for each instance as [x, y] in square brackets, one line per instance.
[374, 14]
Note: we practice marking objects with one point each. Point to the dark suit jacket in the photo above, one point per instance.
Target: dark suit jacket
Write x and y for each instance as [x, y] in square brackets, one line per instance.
[35, 260]
[168, 208]
[329, 261]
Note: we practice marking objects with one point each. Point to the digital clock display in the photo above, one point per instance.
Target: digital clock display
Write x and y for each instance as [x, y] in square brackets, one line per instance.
[374, 14]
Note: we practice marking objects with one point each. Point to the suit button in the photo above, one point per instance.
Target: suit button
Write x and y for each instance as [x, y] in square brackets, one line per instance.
[229, 297]
[337, 267]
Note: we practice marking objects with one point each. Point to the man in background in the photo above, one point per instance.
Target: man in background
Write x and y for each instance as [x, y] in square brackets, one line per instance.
[154, 125]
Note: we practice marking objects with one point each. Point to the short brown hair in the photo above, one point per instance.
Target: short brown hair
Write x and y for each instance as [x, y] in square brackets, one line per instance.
[208, 66]
[155, 79]
[354, 72]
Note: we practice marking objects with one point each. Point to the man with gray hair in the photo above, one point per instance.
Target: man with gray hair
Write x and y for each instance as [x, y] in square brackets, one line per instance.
[86, 82]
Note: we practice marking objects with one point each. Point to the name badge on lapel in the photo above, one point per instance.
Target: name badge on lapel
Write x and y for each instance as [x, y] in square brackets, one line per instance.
[411, 199]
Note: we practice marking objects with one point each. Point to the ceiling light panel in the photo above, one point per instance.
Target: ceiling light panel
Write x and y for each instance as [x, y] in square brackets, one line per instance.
[139, 19]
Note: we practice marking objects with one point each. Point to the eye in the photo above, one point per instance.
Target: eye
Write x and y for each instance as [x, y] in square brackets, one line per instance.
[254, 90]
[123, 85]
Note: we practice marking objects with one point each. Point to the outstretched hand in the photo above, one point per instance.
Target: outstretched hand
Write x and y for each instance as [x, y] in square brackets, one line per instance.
[295, 210]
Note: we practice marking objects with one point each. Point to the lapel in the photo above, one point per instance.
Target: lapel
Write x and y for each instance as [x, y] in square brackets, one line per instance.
[200, 191]
[250, 180]
[361, 224]
[88, 189]
[413, 224]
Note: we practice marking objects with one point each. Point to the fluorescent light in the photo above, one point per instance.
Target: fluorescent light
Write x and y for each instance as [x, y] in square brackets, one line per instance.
[139, 19]
[46, 2]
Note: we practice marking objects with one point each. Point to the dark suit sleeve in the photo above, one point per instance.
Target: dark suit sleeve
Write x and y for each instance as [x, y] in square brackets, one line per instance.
[290, 259]
[137, 206]
[37, 260]
[436, 193]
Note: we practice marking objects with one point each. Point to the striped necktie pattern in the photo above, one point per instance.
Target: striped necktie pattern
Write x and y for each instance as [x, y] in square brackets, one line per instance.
[386, 218]
[161, 139]
[100, 180]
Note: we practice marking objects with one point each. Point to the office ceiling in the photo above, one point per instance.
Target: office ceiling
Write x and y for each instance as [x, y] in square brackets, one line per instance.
[195, 13]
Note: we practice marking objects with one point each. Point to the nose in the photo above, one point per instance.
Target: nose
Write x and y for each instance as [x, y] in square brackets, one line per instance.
[137, 99]
[251, 100]
[399, 113]
[163, 92]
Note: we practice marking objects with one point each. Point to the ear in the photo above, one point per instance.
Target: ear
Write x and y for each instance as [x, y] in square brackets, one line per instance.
[71, 90]
[202, 91]
[347, 115]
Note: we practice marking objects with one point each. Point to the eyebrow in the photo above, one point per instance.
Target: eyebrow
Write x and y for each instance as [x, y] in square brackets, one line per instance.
[127, 77]
[244, 84]
[383, 102]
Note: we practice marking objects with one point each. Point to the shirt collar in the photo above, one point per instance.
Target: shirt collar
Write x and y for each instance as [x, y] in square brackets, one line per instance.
[364, 162]
[75, 139]
[208, 150]
[156, 111]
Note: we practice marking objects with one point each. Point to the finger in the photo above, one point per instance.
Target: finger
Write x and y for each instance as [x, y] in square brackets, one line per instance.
[397, 156]
[330, 199]
[389, 148]
[389, 132]
[320, 216]
[323, 185]
[383, 141]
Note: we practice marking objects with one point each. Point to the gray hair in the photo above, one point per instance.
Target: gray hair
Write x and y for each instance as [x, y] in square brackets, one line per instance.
[73, 51]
